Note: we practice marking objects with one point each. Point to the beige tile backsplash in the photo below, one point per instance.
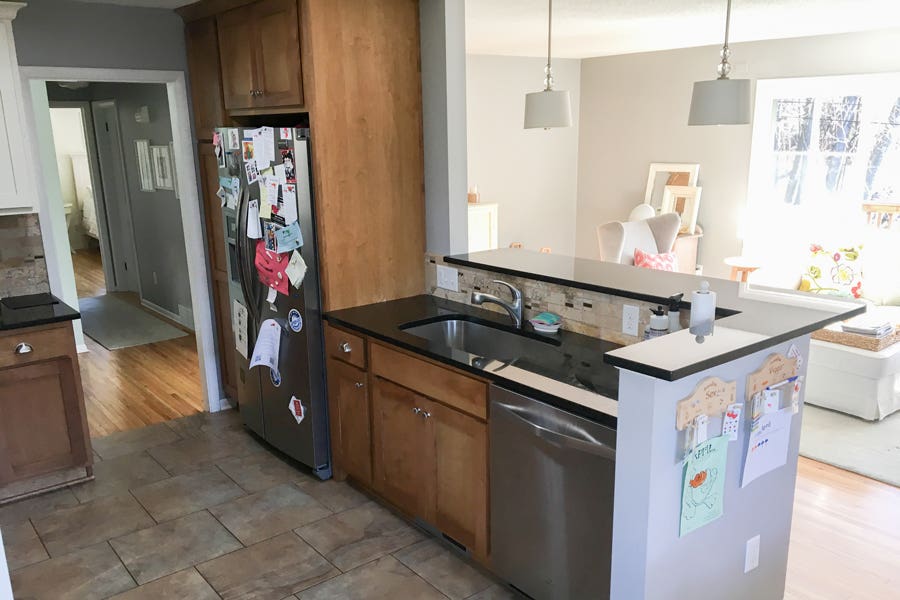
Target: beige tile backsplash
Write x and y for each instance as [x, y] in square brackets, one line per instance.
[589, 313]
[23, 269]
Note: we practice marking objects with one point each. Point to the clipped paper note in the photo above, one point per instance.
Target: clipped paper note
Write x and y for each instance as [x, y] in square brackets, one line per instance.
[268, 344]
[768, 445]
[296, 269]
[253, 229]
[731, 422]
[288, 210]
[288, 238]
[240, 325]
[703, 490]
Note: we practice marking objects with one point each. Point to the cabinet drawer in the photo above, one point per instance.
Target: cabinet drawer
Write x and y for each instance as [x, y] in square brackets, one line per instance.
[46, 342]
[345, 346]
[435, 381]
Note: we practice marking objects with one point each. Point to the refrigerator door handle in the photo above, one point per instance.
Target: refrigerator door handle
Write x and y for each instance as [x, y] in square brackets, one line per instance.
[243, 203]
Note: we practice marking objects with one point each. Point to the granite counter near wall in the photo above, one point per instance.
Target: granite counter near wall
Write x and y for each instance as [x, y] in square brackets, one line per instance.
[589, 313]
[23, 269]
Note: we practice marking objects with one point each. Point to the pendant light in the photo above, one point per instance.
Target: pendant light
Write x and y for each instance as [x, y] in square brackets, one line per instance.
[722, 101]
[548, 108]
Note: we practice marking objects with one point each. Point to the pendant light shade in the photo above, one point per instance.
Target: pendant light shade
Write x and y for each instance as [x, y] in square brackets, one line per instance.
[722, 101]
[548, 108]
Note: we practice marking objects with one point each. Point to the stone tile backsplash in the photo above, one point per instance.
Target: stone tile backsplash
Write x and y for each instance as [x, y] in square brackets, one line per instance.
[23, 269]
[589, 313]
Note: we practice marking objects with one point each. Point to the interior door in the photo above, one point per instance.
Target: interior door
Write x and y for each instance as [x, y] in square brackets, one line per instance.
[238, 57]
[403, 457]
[111, 159]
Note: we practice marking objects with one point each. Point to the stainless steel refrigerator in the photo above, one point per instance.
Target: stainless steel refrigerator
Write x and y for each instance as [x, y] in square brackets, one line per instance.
[268, 399]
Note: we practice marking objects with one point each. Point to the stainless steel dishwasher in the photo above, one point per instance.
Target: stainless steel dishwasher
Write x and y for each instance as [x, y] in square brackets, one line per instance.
[552, 479]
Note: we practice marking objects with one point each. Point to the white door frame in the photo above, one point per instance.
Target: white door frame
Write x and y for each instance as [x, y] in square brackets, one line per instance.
[90, 142]
[59, 264]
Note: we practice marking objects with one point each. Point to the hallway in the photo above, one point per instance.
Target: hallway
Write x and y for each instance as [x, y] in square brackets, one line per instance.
[89, 279]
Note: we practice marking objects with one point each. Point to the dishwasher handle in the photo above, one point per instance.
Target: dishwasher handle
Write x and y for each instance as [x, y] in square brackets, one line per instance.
[555, 437]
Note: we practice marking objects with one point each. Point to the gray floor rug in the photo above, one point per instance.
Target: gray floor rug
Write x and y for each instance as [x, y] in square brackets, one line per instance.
[116, 323]
[865, 447]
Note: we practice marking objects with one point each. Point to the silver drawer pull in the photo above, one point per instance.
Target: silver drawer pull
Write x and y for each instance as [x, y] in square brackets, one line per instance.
[345, 347]
[359, 385]
[23, 348]
[426, 414]
[417, 410]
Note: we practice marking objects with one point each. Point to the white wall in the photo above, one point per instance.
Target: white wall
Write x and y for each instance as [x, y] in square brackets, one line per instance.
[530, 173]
[634, 112]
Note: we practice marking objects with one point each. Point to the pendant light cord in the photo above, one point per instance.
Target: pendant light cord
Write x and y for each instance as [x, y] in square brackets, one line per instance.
[724, 68]
[548, 80]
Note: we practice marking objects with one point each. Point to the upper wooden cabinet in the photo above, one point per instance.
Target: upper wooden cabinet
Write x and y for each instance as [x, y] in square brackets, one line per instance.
[259, 46]
[203, 67]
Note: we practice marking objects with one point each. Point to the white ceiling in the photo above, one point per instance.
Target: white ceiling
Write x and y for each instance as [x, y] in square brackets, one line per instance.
[169, 4]
[585, 28]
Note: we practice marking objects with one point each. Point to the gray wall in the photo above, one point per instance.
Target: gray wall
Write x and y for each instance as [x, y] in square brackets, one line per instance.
[634, 112]
[649, 559]
[157, 224]
[531, 173]
[63, 33]
[443, 55]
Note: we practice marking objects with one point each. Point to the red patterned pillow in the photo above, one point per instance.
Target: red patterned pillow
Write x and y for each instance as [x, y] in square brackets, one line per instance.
[660, 262]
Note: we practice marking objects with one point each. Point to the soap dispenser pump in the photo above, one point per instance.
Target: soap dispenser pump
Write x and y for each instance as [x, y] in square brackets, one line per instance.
[659, 323]
[675, 312]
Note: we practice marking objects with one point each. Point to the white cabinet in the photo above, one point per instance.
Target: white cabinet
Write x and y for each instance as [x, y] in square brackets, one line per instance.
[16, 190]
[482, 227]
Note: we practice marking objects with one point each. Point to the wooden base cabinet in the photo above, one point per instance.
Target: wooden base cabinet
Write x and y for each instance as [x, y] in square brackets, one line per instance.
[43, 425]
[351, 441]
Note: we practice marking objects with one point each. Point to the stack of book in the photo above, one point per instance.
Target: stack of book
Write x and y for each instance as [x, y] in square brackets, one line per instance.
[868, 326]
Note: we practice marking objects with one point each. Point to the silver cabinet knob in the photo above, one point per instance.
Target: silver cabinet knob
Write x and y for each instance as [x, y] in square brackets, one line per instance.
[345, 347]
[417, 410]
[23, 348]
[252, 92]
[359, 384]
[426, 414]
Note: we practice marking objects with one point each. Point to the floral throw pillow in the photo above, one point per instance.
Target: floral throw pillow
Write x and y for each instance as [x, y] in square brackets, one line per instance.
[835, 272]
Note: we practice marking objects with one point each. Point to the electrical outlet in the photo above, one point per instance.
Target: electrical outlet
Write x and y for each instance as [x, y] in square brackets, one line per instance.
[751, 558]
[631, 314]
[448, 278]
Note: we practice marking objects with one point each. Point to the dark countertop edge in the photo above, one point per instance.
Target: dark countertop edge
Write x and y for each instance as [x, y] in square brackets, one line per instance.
[41, 321]
[592, 287]
[62, 313]
[725, 357]
[512, 385]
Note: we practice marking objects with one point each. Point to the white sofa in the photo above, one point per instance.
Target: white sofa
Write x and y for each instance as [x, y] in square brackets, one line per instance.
[854, 381]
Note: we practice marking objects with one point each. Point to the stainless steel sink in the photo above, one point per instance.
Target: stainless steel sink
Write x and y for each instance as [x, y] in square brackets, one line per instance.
[479, 338]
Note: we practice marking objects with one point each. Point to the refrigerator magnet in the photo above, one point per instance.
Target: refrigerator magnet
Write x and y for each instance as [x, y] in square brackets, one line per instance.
[275, 376]
[295, 320]
[298, 411]
[232, 139]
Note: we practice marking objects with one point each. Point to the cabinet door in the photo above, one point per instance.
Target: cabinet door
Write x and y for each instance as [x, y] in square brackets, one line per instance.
[238, 57]
[348, 406]
[403, 455]
[41, 427]
[278, 59]
[461, 477]
[203, 66]
[212, 207]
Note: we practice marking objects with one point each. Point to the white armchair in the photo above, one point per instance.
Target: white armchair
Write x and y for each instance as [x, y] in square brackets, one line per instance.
[656, 235]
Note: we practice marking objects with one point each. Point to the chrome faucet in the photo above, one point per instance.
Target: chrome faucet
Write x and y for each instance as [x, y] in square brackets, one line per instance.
[514, 309]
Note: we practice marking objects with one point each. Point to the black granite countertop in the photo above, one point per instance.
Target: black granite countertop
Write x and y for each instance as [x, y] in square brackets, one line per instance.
[567, 369]
[34, 309]
[751, 318]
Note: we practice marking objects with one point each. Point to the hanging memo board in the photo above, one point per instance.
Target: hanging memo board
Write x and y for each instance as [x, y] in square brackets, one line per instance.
[711, 397]
[774, 370]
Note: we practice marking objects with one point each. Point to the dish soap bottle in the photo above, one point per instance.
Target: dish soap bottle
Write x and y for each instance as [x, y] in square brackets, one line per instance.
[659, 323]
[675, 312]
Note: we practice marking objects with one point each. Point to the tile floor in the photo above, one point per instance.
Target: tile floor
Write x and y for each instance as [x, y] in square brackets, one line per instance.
[198, 509]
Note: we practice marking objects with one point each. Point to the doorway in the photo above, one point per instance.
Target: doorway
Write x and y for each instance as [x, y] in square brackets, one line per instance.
[134, 230]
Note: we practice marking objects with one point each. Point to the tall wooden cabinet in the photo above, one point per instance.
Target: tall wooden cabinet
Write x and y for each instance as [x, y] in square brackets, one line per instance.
[350, 68]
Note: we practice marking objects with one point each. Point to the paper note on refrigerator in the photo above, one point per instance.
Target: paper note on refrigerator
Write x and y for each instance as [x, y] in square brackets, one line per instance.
[288, 238]
[264, 147]
[268, 344]
[296, 269]
[288, 209]
[252, 171]
[239, 325]
[254, 231]
[280, 174]
[284, 133]
[265, 209]
[768, 445]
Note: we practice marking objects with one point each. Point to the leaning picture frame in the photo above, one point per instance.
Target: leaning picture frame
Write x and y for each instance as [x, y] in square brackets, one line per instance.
[145, 165]
[663, 174]
[685, 201]
[163, 173]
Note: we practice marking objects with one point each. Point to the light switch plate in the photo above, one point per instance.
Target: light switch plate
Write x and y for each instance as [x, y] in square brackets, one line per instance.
[751, 558]
[631, 314]
[448, 278]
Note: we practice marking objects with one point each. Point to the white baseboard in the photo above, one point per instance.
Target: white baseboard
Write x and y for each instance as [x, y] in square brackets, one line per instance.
[184, 320]
[81, 348]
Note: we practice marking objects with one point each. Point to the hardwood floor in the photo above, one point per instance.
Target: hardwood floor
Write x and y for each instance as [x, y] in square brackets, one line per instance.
[89, 278]
[845, 538]
[133, 387]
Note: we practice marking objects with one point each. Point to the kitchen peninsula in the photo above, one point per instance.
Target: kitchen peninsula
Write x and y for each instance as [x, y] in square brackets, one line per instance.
[452, 371]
